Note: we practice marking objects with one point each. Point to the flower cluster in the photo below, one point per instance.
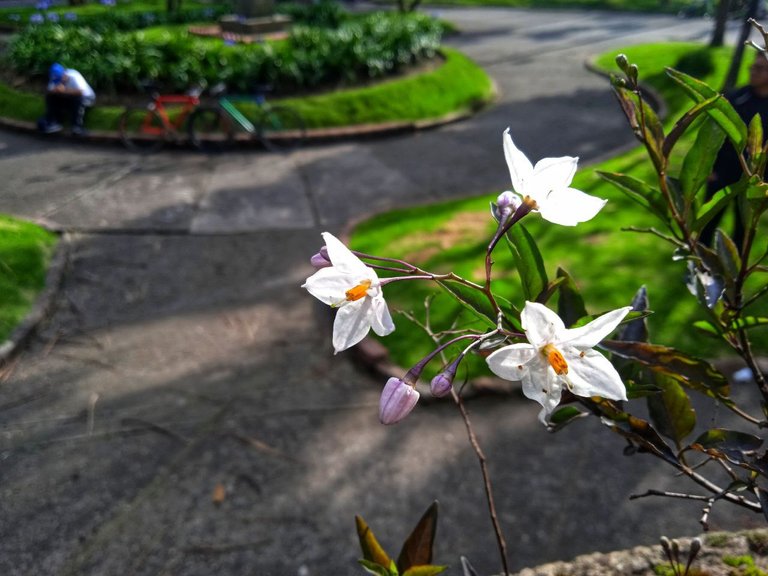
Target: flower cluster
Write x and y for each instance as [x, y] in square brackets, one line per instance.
[550, 360]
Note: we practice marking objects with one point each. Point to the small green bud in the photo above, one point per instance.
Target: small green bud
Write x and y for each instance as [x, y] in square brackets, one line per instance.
[622, 62]
[632, 72]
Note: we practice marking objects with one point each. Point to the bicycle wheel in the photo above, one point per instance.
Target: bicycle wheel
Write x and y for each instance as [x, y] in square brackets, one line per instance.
[142, 129]
[281, 128]
[210, 130]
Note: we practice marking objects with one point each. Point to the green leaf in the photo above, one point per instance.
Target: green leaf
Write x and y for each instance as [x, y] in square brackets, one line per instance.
[721, 111]
[749, 322]
[714, 206]
[645, 195]
[429, 570]
[682, 124]
[738, 447]
[473, 300]
[707, 328]
[640, 389]
[372, 550]
[698, 162]
[530, 264]
[375, 569]
[417, 549]
[570, 304]
[563, 416]
[671, 411]
[691, 372]
[755, 136]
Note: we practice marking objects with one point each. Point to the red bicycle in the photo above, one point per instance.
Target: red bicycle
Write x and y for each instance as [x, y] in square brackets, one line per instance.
[163, 119]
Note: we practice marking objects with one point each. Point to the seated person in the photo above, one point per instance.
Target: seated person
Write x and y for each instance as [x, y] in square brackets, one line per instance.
[67, 97]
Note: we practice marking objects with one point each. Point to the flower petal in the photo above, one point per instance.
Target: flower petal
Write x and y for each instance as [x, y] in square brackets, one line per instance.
[553, 174]
[380, 318]
[520, 168]
[343, 259]
[592, 374]
[351, 324]
[589, 335]
[542, 385]
[568, 206]
[541, 325]
[329, 285]
[510, 362]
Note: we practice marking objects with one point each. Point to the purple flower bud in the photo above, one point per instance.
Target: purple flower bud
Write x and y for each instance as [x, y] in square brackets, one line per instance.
[52, 16]
[441, 384]
[397, 401]
[508, 202]
[36, 18]
[321, 259]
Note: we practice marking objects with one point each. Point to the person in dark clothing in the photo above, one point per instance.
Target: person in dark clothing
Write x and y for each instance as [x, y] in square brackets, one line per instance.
[747, 101]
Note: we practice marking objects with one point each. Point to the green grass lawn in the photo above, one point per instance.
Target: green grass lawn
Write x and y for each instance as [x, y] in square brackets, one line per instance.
[25, 250]
[457, 85]
[608, 264]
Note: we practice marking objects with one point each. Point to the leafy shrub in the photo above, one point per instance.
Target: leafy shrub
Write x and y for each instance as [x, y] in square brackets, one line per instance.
[312, 57]
[698, 63]
[325, 13]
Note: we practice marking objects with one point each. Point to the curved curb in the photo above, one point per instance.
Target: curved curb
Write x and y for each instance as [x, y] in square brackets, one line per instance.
[314, 135]
[43, 305]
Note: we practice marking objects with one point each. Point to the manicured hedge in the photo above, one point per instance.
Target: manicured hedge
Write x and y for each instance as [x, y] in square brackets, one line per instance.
[313, 57]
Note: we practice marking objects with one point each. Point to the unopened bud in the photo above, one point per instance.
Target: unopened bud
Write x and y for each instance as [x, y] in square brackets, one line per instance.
[397, 401]
[695, 548]
[321, 259]
[441, 384]
[508, 201]
[632, 72]
[622, 62]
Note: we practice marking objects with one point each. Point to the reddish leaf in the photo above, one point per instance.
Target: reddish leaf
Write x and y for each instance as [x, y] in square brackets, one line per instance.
[417, 549]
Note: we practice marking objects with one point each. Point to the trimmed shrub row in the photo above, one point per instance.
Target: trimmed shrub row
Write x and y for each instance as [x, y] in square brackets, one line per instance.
[358, 50]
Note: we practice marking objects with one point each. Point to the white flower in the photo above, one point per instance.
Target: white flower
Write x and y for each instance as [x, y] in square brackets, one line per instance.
[352, 287]
[546, 185]
[557, 357]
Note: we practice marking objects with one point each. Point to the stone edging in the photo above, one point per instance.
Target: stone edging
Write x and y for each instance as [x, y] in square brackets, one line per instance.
[43, 305]
[641, 560]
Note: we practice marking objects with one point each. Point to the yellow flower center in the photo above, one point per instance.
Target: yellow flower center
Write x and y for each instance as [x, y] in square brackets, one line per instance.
[555, 359]
[358, 291]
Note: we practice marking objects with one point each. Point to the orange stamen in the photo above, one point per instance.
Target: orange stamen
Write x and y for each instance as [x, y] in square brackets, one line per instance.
[358, 291]
[555, 359]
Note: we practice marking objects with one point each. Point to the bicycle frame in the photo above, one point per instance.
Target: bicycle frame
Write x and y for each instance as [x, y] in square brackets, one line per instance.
[229, 107]
[158, 104]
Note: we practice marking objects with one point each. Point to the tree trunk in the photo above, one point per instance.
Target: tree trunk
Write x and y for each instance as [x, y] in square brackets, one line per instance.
[721, 18]
[738, 53]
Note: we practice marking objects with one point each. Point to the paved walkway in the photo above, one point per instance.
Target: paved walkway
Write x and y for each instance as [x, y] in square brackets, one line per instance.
[183, 357]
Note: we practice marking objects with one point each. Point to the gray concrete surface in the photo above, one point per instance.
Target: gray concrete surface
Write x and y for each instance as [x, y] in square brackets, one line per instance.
[183, 355]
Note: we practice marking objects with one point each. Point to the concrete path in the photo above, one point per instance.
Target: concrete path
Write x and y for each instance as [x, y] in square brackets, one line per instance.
[182, 412]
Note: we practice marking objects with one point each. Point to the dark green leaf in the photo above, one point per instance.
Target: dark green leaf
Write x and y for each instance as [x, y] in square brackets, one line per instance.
[698, 162]
[372, 551]
[564, 415]
[728, 254]
[682, 125]
[530, 264]
[429, 570]
[570, 304]
[636, 430]
[646, 196]
[671, 411]
[728, 439]
[417, 549]
[473, 300]
[549, 290]
[721, 111]
[691, 372]
[636, 330]
[640, 389]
